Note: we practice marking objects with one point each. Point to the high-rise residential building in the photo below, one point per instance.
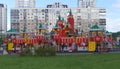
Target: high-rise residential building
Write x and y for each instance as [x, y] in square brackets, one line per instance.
[20, 14]
[102, 18]
[84, 17]
[87, 17]
[3, 18]
[25, 3]
[86, 3]
[54, 10]
[57, 5]
[92, 15]
[28, 18]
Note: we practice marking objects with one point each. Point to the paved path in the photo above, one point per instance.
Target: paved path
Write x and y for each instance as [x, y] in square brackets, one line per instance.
[77, 53]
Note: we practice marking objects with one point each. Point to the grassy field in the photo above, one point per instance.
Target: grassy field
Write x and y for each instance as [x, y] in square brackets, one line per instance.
[82, 61]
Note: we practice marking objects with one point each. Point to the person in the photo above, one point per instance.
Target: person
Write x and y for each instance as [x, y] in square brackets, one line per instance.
[63, 45]
[73, 46]
[66, 45]
[119, 42]
[54, 44]
[98, 48]
[83, 45]
[109, 46]
[5, 52]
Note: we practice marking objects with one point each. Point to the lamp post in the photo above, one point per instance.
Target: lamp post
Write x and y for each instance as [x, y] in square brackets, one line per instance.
[24, 29]
[36, 26]
[89, 21]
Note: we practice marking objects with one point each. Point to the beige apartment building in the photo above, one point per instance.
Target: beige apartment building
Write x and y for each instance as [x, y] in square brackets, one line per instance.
[84, 17]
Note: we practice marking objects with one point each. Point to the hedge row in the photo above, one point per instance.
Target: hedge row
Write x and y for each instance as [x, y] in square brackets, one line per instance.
[40, 51]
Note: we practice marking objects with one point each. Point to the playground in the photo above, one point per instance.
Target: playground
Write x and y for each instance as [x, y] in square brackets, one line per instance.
[63, 37]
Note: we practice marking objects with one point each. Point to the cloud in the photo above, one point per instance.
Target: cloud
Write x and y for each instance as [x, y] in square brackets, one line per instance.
[113, 19]
[113, 25]
[116, 4]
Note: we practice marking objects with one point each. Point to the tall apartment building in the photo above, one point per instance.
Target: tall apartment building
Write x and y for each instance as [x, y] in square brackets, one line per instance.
[84, 17]
[26, 17]
[87, 17]
[3, 18]
[57, 5]
[25, 3]
[49, 17]
[31, 17]
[86, 3]
[19, 16]
[92, 15]
[54, 10]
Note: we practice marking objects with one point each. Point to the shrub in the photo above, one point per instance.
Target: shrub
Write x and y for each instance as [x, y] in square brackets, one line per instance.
[45, 51]
[39, 51]
[26, 52]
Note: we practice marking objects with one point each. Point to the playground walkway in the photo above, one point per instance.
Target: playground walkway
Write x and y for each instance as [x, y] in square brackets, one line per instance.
[114, 50]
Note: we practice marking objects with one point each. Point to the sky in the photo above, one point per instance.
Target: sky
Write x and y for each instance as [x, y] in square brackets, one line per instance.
[112, 7]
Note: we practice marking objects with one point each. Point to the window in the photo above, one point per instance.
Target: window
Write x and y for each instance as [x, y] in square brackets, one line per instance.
[102, 11]
[79, 10]
[102, 21]
[28, 23]
[43, 10]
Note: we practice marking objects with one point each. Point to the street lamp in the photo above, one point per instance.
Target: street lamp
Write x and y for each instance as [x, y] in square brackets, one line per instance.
[24, 29]
[89, 21]
[89, 16]
[36, 27]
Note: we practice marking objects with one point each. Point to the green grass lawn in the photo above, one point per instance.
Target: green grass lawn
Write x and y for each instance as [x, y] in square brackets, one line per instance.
[82, 61]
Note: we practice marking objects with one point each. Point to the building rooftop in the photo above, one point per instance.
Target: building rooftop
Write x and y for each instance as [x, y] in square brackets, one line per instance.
[95, 27]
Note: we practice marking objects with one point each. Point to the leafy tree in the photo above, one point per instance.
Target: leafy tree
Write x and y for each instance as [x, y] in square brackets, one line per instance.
[0, 40]
[114, 35]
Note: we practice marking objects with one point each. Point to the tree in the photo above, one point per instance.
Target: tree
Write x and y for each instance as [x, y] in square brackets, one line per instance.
[1, 40]
[114, 35]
